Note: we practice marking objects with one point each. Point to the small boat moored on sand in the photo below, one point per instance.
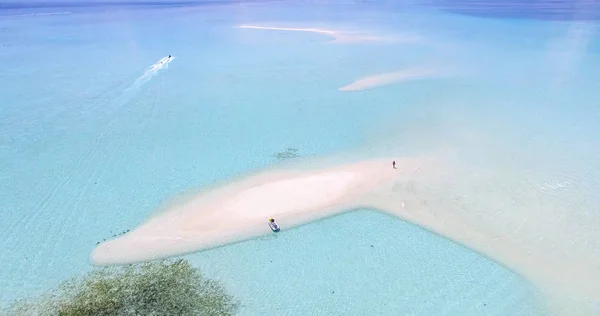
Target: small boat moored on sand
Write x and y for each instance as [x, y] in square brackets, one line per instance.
[273, 225]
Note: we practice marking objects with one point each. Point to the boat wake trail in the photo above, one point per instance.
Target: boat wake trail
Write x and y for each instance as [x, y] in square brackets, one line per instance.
[163, 63]
[131, 91]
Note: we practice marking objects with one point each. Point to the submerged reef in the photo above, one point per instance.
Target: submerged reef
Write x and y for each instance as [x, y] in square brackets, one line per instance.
[289, 153]
[167, 287]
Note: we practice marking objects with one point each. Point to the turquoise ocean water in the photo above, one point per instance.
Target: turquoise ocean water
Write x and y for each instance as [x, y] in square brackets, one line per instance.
[85, 153]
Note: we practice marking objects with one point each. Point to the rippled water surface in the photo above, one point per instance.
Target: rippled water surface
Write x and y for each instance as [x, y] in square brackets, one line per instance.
[96, 134]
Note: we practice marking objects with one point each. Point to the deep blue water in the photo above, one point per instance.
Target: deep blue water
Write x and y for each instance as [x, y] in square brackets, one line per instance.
[584, 10]
[42, 4]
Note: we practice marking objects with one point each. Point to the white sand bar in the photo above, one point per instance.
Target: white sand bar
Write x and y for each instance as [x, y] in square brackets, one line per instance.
[339, 37]
[374, 81]
[240, 210]
[312, 30]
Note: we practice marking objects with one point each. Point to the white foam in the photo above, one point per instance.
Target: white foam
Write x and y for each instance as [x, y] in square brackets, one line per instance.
[374, 81]
[162, 63]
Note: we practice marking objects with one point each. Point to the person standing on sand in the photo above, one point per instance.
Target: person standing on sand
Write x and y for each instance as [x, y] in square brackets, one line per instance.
[394, 164]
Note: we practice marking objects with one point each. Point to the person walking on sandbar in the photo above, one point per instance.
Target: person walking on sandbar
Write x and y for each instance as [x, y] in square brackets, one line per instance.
[394, 164]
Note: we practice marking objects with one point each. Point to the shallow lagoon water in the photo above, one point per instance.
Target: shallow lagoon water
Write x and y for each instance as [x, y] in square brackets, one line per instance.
[83, 160]
[365, 262]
